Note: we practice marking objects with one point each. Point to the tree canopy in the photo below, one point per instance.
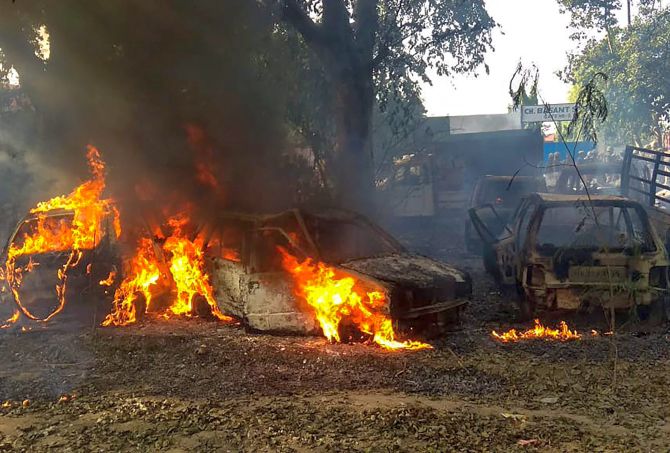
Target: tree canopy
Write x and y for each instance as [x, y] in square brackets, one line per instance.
[636, 60]
[374, 53]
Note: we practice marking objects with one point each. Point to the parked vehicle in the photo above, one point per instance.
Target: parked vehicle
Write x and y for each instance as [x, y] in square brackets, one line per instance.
[505, 193]
[438, 181]
[574, 252]
[250, 282]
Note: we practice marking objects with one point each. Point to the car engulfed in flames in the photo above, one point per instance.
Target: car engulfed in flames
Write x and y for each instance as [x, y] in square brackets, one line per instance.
[69, 240]
[332, 272]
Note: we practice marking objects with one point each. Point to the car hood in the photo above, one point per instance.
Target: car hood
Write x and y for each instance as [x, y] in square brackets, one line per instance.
[409, 270]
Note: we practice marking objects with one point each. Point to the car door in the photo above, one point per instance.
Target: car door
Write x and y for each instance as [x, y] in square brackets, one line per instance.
[227, 250]
[514, 251]
[485, 219]
[270, 303]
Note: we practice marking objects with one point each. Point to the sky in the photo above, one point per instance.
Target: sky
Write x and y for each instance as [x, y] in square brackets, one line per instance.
[534, 32]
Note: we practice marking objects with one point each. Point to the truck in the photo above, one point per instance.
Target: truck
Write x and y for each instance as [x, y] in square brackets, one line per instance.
[440, 179]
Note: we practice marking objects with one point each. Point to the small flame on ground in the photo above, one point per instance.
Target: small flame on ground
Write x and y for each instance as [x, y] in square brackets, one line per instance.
[11, 320]
[563, 333]
[334, 297]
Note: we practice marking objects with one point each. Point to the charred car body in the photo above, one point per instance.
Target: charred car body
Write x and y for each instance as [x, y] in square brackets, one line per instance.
[251, 284]
[572, 252]
[37, 298]
[504, 192]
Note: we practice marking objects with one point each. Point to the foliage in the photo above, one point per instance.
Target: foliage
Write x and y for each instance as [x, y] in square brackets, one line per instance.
[372, 54]
[405, 37]
[601, 15]
[591, 15]
[638, 89]
[591, 110]
[526, 90]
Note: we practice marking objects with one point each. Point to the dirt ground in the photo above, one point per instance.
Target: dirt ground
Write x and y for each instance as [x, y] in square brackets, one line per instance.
[200, 386]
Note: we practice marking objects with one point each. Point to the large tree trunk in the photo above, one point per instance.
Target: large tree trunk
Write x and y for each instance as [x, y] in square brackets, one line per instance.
[346, 50]
[353, 115]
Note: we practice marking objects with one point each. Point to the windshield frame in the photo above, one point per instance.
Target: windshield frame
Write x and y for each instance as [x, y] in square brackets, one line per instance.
[389, 242]
[532, 239]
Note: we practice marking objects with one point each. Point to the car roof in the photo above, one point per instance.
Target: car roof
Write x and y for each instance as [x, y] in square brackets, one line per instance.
[48, 214]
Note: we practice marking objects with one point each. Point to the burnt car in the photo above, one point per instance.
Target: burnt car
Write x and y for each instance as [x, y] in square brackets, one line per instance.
[251, 284]
[36, 296]
[575, 252]
[503, 192]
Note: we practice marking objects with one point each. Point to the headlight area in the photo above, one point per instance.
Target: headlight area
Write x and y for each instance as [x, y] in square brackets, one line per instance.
[658, 277]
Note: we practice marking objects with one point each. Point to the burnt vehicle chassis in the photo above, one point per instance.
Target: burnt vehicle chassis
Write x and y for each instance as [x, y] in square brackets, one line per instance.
[249, 282]
[37, 290]
[578, 276]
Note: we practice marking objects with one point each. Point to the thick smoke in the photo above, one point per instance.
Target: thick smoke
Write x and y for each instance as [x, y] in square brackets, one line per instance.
[179, 96]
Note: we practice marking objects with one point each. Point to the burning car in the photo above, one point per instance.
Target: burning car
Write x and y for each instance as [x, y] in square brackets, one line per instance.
[297, 271]
[38, 271]
[61, 241]
[571, 252]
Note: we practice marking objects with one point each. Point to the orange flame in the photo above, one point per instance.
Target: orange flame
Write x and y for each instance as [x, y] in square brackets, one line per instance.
[52, 234]
[11, 320]
[334, 297]
[186, 267]
[143, 274]
[231, 255]
[563, 333]
[109, 281]
[204, 150]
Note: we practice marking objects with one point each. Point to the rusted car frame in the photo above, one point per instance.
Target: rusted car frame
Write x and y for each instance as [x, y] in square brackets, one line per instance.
[615, 257]
[503, 191]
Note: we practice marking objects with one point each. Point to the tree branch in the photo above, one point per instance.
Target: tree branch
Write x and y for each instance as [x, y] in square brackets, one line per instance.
[366, 26]
[298, 18]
